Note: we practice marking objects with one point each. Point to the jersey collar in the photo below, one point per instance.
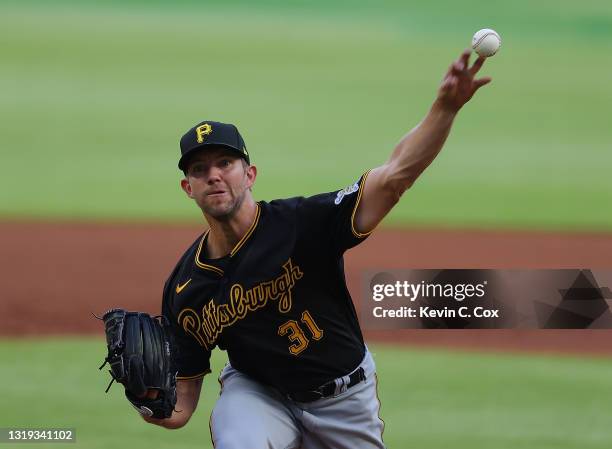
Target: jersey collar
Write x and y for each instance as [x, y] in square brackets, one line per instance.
[233, 252]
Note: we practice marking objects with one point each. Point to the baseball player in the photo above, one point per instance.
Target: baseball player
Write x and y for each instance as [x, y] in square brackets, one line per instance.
[266, 283]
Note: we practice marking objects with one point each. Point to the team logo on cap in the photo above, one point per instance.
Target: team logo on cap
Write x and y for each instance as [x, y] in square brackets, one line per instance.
[202, 131]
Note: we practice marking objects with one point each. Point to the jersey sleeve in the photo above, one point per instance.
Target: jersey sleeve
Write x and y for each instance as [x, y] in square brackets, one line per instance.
[192, 360]
[330, 217]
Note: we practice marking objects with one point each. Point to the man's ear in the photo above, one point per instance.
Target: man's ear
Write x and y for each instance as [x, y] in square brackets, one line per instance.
[251, 174]
[186, 187]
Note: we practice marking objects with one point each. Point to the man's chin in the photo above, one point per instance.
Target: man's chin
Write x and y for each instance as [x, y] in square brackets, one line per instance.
[221, 212]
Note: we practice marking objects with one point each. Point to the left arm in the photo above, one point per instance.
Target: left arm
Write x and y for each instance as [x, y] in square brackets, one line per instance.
[386, 184]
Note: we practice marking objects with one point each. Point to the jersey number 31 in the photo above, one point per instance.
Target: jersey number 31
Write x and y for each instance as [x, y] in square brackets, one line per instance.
[297, 336]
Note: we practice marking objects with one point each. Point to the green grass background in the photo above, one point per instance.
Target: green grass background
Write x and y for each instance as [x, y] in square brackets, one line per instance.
[96, 97]
[430, 399]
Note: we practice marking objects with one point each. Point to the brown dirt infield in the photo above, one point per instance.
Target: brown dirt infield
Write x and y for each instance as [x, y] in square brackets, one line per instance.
[55, 275]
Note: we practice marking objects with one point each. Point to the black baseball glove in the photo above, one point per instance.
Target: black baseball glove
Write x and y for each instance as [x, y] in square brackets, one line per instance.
[140, 357]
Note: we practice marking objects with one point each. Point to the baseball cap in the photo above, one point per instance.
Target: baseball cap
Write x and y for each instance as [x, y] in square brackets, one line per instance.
[208, 134]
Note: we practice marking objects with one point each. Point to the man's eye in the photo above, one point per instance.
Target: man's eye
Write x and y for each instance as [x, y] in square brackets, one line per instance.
[225, 163]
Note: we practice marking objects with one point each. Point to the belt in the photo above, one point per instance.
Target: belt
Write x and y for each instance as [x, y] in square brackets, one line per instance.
[331, 388]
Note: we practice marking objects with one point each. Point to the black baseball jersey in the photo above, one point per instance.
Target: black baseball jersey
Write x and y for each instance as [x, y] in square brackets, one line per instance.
[278, 303]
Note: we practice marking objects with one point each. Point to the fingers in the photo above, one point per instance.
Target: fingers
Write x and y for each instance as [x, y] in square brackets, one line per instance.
[448, 73]
[464, 59]
[456, 69]
[152, 393]
[477, 65]
[461, 64]
[481, 82]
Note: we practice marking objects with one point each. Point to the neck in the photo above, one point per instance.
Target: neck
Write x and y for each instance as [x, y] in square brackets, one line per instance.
[225, 234]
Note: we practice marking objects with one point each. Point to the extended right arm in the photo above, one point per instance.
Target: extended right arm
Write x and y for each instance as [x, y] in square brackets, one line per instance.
[385, 184]
[187, 396]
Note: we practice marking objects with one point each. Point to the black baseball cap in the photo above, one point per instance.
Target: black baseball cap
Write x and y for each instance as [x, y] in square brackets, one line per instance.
[209, 134]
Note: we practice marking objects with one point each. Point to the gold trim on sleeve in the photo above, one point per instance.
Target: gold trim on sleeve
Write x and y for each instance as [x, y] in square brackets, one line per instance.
[197, 376]
[361, 187]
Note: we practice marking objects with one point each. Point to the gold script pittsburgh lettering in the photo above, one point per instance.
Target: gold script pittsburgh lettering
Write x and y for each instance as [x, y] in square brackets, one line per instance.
[205, 328]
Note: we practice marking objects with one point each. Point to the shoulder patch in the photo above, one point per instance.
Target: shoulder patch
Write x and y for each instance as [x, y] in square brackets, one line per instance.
[346, 191]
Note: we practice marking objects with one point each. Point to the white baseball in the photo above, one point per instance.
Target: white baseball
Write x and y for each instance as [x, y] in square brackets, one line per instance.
[486, 42]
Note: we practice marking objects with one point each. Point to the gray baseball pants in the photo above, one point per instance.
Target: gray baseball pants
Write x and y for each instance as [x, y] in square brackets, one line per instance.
[251, 415]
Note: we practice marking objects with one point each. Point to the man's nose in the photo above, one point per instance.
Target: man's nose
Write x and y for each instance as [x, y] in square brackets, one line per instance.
[214, 175]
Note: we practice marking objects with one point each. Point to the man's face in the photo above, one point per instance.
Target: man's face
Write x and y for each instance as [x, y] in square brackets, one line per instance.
[218, 181]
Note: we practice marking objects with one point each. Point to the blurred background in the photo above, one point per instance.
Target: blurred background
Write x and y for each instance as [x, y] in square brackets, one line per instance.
[95, 96]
